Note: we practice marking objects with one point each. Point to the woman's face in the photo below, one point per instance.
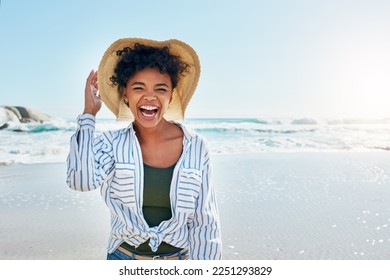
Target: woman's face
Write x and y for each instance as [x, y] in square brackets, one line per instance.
[149, 93]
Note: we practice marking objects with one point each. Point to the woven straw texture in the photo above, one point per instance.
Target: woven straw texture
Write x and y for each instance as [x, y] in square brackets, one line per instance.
[181, 95]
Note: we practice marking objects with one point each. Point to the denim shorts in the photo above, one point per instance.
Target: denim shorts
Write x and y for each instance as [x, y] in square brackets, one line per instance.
[118, 255]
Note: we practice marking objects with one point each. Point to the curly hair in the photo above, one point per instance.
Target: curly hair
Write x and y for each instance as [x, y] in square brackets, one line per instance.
[140, 57]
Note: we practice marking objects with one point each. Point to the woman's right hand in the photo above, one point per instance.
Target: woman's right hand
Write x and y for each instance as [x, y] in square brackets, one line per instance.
[93, 103]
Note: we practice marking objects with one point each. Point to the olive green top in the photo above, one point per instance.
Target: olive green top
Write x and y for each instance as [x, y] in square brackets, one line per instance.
[156, 206]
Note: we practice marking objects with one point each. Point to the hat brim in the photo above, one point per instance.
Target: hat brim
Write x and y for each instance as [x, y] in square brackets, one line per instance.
[182, 94]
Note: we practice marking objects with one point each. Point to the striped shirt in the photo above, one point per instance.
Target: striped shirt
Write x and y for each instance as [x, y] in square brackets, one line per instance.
[113, 163]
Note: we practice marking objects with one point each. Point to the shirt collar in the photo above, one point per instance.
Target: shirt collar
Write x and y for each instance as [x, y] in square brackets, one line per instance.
[188, 133]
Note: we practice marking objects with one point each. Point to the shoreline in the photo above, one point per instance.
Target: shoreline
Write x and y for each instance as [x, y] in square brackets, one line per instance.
[277, 206]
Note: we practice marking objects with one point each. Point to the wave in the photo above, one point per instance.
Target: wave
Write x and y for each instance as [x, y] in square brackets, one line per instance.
[229, 120]
[232, 130]
[304, 121]
[50, 126]
[49, 141]
[286, 121]
[208, 125]
[60, 125]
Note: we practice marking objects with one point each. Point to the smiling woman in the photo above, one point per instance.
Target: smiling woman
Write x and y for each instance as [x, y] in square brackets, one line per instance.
[121, 62]
[148, 94]
[154, 175]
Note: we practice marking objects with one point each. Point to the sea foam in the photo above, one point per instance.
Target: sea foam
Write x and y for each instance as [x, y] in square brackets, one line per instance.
[49, 141]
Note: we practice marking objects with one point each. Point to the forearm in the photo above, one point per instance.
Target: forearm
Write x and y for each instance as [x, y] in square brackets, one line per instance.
[80, 161]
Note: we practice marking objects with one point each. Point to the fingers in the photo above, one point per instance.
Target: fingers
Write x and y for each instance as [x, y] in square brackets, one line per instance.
[92, 77]
[92, 83]
[95, 81]
[93, 102]
[93, 89]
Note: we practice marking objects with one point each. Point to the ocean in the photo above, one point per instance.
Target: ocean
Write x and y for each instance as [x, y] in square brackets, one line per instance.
[49, 142]
[281, 185]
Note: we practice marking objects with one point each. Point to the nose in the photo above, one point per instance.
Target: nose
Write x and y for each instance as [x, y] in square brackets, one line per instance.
[149, 95]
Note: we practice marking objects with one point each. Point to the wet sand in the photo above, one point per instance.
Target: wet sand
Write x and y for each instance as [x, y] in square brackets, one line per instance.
[298, 206]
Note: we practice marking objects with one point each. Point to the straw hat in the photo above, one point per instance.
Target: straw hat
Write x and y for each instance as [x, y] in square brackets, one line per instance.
[181, 94]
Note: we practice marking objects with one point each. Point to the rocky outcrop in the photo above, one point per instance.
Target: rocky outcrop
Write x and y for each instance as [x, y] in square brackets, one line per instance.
[18, 114]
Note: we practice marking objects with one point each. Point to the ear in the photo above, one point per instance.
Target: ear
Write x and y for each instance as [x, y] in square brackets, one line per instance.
[124, 97]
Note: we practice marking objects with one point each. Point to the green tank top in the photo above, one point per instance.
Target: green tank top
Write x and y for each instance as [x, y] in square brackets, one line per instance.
[156, 206]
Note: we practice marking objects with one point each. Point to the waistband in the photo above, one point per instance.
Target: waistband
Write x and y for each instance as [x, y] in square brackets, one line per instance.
[181, 255]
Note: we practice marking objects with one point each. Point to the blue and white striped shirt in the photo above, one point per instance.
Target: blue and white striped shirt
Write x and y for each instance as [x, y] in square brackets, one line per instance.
[113, 163]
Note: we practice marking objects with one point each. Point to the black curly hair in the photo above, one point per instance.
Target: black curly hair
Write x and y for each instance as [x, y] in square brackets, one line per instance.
[140, 57]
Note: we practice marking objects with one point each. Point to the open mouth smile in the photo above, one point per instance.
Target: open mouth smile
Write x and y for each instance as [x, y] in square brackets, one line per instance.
[148, 111]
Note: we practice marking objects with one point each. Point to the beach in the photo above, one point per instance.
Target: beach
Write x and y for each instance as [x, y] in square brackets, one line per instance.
[273, 206]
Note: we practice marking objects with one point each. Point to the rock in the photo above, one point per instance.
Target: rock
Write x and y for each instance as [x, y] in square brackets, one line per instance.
[18, 114]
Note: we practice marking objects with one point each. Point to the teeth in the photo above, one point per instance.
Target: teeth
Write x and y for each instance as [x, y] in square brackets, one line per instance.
[149, 108]
[148, 115]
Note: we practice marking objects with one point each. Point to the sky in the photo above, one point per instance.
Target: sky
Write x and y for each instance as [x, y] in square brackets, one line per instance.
[276, 58]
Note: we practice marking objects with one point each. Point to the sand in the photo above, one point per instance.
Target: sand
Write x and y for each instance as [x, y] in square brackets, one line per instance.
[273, 206]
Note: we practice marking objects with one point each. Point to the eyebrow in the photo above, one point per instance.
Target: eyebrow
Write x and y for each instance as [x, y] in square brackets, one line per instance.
[162, 85]
[157, 85]
[138, 83]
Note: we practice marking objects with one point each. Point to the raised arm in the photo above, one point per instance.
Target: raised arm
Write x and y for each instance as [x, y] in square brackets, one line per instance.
[90, 159]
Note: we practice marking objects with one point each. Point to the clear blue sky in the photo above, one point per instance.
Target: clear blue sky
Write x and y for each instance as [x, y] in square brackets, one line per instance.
[259, 58]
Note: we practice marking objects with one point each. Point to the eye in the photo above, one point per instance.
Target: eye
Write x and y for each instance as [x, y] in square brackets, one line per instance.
[162, 90]
[138, 88]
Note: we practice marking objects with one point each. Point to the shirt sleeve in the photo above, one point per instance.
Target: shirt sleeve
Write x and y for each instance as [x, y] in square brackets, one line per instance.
[90, 159]
[204, 229]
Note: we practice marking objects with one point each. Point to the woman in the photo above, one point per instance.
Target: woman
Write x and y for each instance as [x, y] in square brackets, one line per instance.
[155, 175]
